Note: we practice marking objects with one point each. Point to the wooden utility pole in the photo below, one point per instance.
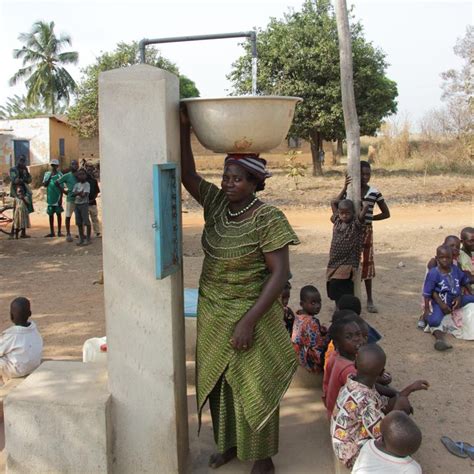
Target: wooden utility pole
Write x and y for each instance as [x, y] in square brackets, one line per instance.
[351, 121]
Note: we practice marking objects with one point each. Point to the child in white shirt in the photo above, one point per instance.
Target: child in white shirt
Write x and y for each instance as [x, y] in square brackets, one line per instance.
[21, 345]
[390, 454]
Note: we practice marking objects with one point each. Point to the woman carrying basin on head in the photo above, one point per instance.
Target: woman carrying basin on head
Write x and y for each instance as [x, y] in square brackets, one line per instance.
[244, 357]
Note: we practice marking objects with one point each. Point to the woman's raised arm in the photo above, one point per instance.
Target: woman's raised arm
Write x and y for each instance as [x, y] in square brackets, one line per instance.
[189, 176]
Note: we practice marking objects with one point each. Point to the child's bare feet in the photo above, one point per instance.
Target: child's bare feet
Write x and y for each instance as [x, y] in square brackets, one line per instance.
[371, 308]
[263, 466]
[219, 459]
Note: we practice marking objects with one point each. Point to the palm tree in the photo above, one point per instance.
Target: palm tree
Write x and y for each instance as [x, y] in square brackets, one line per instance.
[16, 107]
[45, 78]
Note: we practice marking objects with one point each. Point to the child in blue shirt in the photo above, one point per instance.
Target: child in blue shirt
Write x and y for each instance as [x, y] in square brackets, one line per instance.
[443, 288]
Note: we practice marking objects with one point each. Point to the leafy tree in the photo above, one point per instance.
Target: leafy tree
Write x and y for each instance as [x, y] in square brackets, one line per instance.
[84, 114]
[17, 107]
[46, 80]
[298, 55]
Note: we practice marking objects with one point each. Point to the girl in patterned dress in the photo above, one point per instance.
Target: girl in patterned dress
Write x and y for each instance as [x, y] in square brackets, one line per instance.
[309, 336]
[21, 217]
[244, 357]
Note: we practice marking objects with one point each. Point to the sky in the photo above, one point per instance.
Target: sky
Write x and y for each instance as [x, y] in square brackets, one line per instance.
[417, 36]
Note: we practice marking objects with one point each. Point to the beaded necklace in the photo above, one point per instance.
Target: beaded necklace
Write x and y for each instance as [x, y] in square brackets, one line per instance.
[242, 211]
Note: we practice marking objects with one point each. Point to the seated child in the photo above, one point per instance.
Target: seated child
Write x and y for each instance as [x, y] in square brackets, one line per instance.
[346, 246]
[332, 383]
[360, 409]
[339, 314]
[21, 345]
[353, 303]
[455, 244]
[466, 254]
[443, 290]
[288, 315]
[309, 337]
[390, 454]
[347, 338]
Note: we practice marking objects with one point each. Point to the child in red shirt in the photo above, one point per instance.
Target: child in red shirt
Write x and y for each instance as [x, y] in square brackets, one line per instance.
[347, 337]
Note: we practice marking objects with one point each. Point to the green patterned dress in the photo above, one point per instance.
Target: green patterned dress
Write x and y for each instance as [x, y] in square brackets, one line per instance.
[244, 388]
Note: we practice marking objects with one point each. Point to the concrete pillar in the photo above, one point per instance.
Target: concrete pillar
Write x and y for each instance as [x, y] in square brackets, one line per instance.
[139, 126]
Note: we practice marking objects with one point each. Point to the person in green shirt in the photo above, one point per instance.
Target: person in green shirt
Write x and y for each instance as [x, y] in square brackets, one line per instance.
[69, 179]
[54, 197]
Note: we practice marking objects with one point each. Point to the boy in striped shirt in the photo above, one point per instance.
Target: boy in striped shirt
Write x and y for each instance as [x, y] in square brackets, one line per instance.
[372, 196]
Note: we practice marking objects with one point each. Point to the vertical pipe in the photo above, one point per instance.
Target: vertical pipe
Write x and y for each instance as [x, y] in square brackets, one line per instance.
[253, 39]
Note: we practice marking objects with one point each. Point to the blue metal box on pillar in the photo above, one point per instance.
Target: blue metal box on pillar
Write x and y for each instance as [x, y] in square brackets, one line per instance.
[167, 227]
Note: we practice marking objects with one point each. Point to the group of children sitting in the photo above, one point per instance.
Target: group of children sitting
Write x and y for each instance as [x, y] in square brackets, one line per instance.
[370, 426]
[356, 388]
[448, 285]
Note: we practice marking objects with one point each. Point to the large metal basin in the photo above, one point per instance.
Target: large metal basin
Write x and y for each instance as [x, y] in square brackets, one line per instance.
[247, 124]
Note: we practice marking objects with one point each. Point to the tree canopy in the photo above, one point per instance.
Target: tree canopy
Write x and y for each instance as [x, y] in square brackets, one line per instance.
[46, 80]
[299, 56]
[17, 107]
[84, 114]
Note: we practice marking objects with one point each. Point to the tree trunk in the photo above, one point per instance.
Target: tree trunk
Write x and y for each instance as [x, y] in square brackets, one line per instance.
[337, 152]
[351, 121]
[340, 149]
[316, 142]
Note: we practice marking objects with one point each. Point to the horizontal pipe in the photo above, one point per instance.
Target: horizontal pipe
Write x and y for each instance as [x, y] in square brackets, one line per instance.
[178, 39]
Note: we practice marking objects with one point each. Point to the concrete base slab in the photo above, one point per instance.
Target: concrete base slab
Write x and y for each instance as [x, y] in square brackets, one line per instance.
[57, 420]
[305, 445]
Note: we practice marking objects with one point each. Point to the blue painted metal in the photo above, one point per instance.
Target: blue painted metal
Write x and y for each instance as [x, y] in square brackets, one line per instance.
[190, 302]
[167, 226]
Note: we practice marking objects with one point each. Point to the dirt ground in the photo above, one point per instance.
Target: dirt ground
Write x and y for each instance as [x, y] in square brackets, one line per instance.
[68, 308]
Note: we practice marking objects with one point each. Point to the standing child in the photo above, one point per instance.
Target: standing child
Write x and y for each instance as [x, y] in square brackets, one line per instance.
[21, 345]
[344, 255]
[309, 337]
[370, 196]
[95, 191]
[21, 215]
[288, 315]
[466, 255]
[54, 197]
[69, 179]
[443, 290]
[81, 192]
[391, 453]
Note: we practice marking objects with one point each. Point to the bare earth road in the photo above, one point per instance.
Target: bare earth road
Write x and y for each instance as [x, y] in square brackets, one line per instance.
[58, 277]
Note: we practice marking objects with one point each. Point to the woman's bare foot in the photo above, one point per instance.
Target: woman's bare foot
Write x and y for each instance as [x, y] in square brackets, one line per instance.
[263, 466]
[219, 459]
